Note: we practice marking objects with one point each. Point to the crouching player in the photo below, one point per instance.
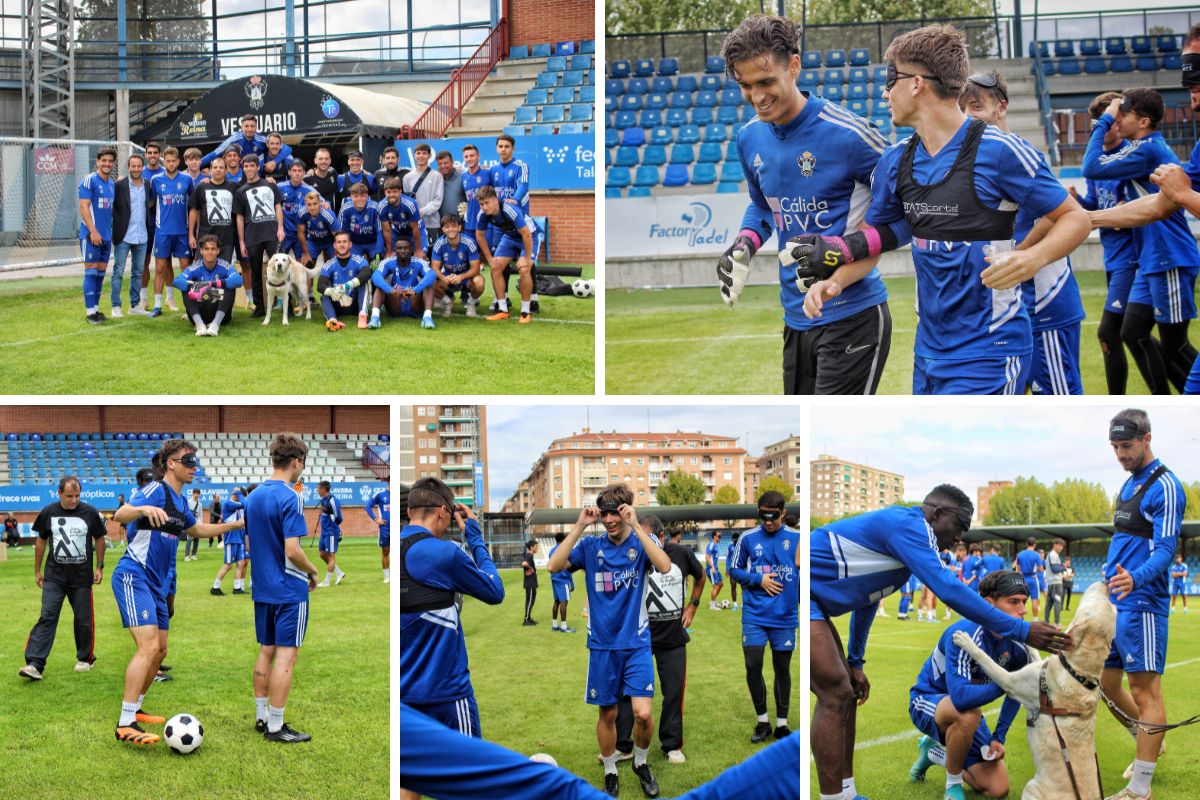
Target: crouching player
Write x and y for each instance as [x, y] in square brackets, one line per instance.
[315, 227]
[400, 218]
[142, 578]
[455, 263]
[517, 239]
[360, 217]
[343, 284]
[209, 288]
[947, 701]
[405, 285]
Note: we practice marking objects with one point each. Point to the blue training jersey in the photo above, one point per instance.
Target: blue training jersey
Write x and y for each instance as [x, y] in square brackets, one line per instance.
[713, 552]
[561, 578]
[363, 226]
[433, 649]
[812, 176]
[471, 183]
[1161, 246]
[171, 196]
[100, 193]
[1148, 559]
[1193, 380]
[958, 318]
[348, 179]
[1029, 562]
[509, 221]
[1179, 572]
[511, 181]
[616, 588]
[1117, 242]
[1051, 296]
[337, 272]
[331, 516]
[153, 549]
[455, 259]
[401, 216]
[993, 563]
[293, 204]
[274, 514]
[383, 502]
[231, 511]
[415, 275]
[952, 672]
[318, 230]
[759, 553]
[256, 145]
[200, 273]
[973, 571]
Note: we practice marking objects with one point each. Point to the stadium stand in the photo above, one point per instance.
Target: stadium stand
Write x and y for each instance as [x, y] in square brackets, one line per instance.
[537, 91]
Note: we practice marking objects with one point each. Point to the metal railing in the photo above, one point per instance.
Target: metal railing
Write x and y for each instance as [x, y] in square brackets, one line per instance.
[447, 107]
[1045, 110]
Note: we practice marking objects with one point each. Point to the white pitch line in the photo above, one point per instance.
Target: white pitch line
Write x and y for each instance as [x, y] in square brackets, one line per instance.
[696, 339]
[80, 332]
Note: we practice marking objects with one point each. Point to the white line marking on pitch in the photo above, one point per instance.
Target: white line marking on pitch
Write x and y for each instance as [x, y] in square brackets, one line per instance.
[80, 332]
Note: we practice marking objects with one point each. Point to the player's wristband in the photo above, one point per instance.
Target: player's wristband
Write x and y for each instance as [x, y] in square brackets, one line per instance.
[695, 603]
[99, 566]
[869, 243]
[857, 663]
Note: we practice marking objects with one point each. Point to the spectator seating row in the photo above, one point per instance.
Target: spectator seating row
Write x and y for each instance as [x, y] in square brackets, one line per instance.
[1094, 56]
[554, 107]
[546, 50]
[719, 88]
[715, 65]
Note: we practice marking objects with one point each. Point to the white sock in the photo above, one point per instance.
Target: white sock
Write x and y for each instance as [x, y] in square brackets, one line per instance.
[428, 313]
[338, 570]
[639, 755]
[158, 301]
[848, 789]
[838, 796]
[143, 295]
[128, 713]
[237, 584]
[274, 718]
[953, 779]
[553, 624]
[937, 755]
[92, 309]
[374, 313]
[329, 575]
[472, 301]
[781, 722]
[217, 583]
[533, 296]
[762, 717]
[525, 306]
[504, 305]
[260, 709]
[141, 699]
[387, 573]
[1143, 772]
[610, 763]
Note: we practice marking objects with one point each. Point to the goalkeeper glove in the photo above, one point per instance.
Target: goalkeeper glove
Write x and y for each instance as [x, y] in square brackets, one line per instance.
[733, 269]
[815, 258]
[349, 286]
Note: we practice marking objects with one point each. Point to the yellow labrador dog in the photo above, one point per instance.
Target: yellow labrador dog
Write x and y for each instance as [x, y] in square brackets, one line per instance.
[287, 278]
[1060, 696]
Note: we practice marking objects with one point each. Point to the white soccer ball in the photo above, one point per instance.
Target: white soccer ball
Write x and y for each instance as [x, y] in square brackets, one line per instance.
[183, 733]
[544, 758]
[582, 288]
[726, 604]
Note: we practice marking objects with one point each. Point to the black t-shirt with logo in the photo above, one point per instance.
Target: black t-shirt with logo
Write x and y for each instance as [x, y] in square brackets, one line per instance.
[214, 204]
[326, 187]
[71, 535]
[255, 203]
[668, 596]
[531, 580]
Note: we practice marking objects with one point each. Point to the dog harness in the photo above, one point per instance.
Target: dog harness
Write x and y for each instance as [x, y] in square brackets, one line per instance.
[1049, 709]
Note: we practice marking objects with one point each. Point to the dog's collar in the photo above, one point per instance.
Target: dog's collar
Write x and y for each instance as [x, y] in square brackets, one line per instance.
[1087, 683]
[276, 285]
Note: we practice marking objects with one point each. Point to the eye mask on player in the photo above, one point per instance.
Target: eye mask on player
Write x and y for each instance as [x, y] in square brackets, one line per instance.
[1190, 70]
[1010, 584]
[190, 461]
[609, 508]
[769, 515]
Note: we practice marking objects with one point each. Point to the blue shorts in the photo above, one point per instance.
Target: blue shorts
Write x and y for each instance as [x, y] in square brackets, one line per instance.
[1140, 644]
[998, 375]
[329, 542]
[280, 624]
[1032, 584]
[510, 247]
[137, 602]
[171, 584]
[367, 251]
[562, 592]
[1172, 294]
[922, 709]
[168, 245]
[1177, 587]
[318, 250]
[757, 636]
[912, 585]
[234, 552]
[714, 575]
[613, 674]
[1119, 281]
[291, 246]
[93, 254]
[1055, 368]
[385, 536]
[457, 715]
[815, 614]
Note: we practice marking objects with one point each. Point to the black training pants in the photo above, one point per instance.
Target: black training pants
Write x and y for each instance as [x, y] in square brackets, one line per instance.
[530, 596]
[257, 253]
[842, 357]
[672, 679]
[208, 311]
[41, 638]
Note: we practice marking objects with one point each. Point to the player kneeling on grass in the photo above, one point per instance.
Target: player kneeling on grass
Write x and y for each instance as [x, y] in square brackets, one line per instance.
[619, 661]
[946, 704]
[455, 263]
[142, 578]
[209, 288]
[343, 284]
[331, 532]
[516, 239]
[315, 227]
[405, 286]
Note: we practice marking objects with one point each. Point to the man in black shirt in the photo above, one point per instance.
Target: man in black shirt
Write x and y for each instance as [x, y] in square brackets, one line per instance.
[75, 531]
[259, 208]
[670, 618]
[210, 210]
[11, 536]
[391, 157]
[323, 178]
[214, 515]
[531, 580]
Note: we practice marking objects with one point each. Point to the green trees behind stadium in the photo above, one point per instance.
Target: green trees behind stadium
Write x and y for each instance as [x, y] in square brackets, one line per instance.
[680, 489]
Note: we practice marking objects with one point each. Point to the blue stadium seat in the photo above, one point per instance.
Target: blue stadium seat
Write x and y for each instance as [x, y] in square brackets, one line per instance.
[676, 117]
[884, 124]
[571, 127]
[1168, 43]
[727, 115]
[857, 106]
[858, 75]
[646, 176]
[835, 58]
[587, 46]
[714, 133]
[833, 92]
[556, 63]
[1089, 47]
[711, 83]
[714, 65]
[630, 102]
[525, 114]
[662, 85]
[860, 57]
[1068, 66]
[833, 76]
[554, 113]
[857, 91]
[587, 94]
[1121, 64]
[559, 94]
[1047, 67]
[611, 193]
[519, 51]
[547, 80]
[643, 67]
[650, 118]
[633, 137]
[879, 75]
[706, 98]
[731, 171]
[731, 148]
[1115, 46]
[808, 79]
[704, 174]
[810, 59]
[637, 86]
[710, 152]
[681, 100]
[682, 154]
[1147, 62]
[519, 130]
[656, 100]
[610, 136]
[1064, 48]
[564, 48]
[876, 92]
[904, 132]
[619, 69]
[668, 66]
[879, 108]
[1172, 61]
[731, 97]
[638, 191]
[654, 155]
[610, 104]
[676, 175]
[581, 61]
[581, 112]
[728, 188]
[574, 77]
[686, 83]
[624, 119]
[1141, 44]
[1095, 65]
[661, 135]
[702, 115]
[617, 177]
[748, 113]
[536, 97]
[688, 134]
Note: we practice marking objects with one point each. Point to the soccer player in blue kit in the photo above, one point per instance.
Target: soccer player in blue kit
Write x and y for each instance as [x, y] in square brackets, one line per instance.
[764, 564]
[234, 546]
[172, 190]
[807, 163]
[1179, 573]
[248, 141]
[354, 176]
[400, 218]
[712, 569]
[209, 288]
[856, 562]
[315, 227]
[510, 178]
[404, 285]
[518, 237]
[954, 188]
[455, 264]
[96, 194]
[294, 191]
[330, 520]
[142, 578]
[283, 577]
[1030, 564]
[562, 584]
[947, 700]
[360, 218]
[619, 656]
[382, 500]
[1147, 519]
[344, 284]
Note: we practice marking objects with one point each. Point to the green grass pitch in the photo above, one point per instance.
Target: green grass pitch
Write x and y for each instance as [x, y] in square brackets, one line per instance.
[529, 683]
[887, 740]
[58, 732]
[692, 344]
[47, 347]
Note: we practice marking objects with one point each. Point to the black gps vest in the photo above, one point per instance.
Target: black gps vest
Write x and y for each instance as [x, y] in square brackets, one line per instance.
[1127, 514]
[950, 210]
[416, 598]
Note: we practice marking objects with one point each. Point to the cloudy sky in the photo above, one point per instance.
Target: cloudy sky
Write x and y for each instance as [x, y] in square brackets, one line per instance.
[970, 445]
[518, 434]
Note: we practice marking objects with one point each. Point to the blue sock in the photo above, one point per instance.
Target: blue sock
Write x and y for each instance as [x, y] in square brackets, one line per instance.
[93, 283]
[904, 601]
[327, 307]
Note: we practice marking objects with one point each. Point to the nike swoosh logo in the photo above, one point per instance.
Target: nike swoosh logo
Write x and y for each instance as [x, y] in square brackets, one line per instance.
[850, 349]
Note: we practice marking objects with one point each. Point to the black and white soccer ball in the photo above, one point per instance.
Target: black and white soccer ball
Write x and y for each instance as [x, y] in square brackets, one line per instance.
[725, 604]
[183, 733]
[582, 288]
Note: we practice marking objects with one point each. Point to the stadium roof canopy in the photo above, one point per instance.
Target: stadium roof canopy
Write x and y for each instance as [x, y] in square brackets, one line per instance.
[699, 513]
[1071, 533]
[303, 111]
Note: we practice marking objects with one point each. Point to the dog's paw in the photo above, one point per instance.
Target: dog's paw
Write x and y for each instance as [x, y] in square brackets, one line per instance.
[285, 322]
[962, 640]
[266, 322]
